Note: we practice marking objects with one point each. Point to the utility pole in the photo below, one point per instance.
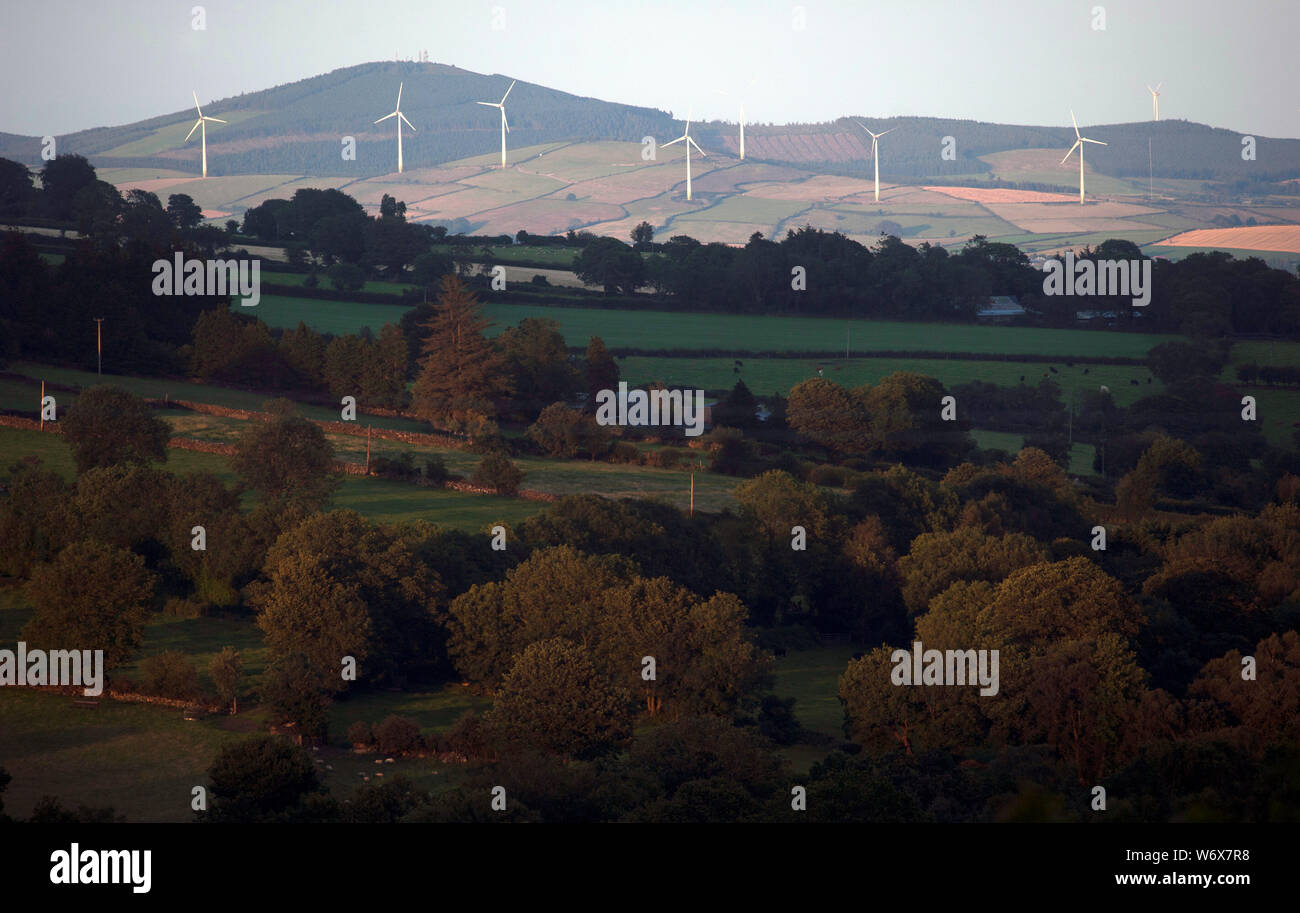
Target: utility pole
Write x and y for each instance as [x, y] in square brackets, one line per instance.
[99, 345]
[367, 450]
[41, 412]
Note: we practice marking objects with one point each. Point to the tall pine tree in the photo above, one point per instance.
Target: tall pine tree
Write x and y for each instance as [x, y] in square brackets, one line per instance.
[460, 370]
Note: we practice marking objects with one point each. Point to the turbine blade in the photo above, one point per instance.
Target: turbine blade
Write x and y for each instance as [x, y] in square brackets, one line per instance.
[192, 129]
[1084, 139]
[505, 123]
[399, 95]
[676, 141]
[697, 147]
[1075, 122]
[507, 95]
[402, 117]
[196, 102]
[1076, 145]
[490, 104]
[1158, 85]
[890, 130]
[215, 120]
[386, 117]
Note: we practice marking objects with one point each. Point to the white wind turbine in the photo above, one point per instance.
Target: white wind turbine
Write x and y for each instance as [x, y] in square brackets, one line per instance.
[202, 125]
[875, 154]
[1155, 98]
[1078, 144]
[401, 118]
[742, 115]
[505, 127]
[686, 137]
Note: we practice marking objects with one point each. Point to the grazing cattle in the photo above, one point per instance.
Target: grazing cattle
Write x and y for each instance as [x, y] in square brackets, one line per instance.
[1022, 378]
[1133, 382]
[1053, 370]
[1085, 370]
[1148, 380]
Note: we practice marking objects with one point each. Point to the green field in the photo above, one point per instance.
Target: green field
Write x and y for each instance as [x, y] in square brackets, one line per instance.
[765, 376]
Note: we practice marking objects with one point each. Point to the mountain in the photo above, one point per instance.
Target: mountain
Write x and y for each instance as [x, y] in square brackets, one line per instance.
[298, 128]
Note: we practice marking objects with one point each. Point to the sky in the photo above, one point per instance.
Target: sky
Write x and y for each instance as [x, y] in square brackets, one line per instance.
[69, 65]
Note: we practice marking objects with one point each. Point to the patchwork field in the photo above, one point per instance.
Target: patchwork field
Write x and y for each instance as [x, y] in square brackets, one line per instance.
[1283, 238]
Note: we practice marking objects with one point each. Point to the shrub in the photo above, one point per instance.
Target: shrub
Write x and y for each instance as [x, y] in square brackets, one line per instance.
[435, 470]
[498, 473]
[397, 735]
[400, 467]
[468, 736]
[827, 475]
[359, 733]
[169, 674]
[623, 452]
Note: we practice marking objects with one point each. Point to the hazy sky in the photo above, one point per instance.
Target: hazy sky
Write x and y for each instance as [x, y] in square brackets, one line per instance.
[73, 64]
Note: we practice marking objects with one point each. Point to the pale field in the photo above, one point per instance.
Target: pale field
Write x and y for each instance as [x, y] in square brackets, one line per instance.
[545, 217]
[1001, 195]
[1283, 238]
[821, 188]
[172, 136]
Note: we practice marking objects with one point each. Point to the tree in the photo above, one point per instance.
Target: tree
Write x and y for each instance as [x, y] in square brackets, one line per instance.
[497, 472]
[1071, 599]
[62, 178]
[459, 368]
[16, 191]
[169, 674]
[285, 457]
[610, 263]
[227, 669]
[937, 560]
[346, 277]
[109, 425]
[554, 700]
[92, 596]
[829, 415]
[184, 212]
[1177, 362]
[538, 361]
[601, 369]
[261, 779]
[642, 235]
[558, 430]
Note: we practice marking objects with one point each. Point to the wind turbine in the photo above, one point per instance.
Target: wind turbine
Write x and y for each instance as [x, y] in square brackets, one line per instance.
[742, 116]
[202, 125]
[1078, 144]
[686, 137]
[875, 154]
[505, 127]
[1155, 98]
[397, 113]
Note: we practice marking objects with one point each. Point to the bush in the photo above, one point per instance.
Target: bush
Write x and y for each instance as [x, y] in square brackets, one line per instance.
[183, 608]
[400, 467]
[833, 476]
[666, 458]
[169, 674]
[498, 473]
[312, 281]
[346, 277]
[359, 733]
[397, 735]
[435, 470]
[468, 736]
[623, 452]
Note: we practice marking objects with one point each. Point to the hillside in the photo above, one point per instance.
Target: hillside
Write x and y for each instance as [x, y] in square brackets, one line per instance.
[297, 129]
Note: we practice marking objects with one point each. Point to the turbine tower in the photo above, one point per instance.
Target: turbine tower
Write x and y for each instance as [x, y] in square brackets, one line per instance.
[875, 154]
[742, 116]
[397, 113]
[1079, 140]
[202, 126]
[505, 127]
[1155, 99]
[686, 138]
